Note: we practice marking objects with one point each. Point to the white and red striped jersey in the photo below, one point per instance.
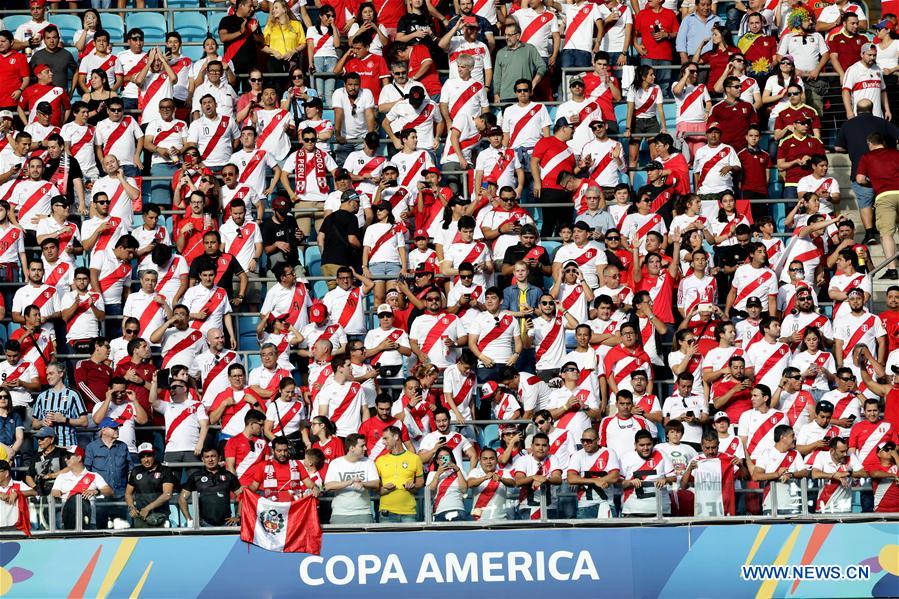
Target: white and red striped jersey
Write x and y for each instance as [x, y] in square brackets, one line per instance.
[635, 467]
[430, 331]
[579, 21]
[241, 241]
[110, 64]
[617, 433]
[31, 201]
[834, 498]
[853, 329]
[180, 348]
[757, 428]
[529, 498]
[169, 278]
[865, 436]
[845, 405]
[498, 164]
[212, 370]
[589, 257]
[170, 135]
[271, 131]
[449, 495]
[676, 406]
[495, 334]
[120, 205]
[12, 243]
[466, 97]
[469, 138]
[345, 307]
[155, 88]
[537, 28]
[824, 188]
[575, 420]
[800, 321]
[768, 361]
[107, 239]
[214, 301]
[845, 283]
[286, 416]
[344, 402]
[865, 83]
[646, 101]
[595, 465]
[805, 250]
[614, 35]
[182, 423]
[118, 138]
[713, 486]
[113, 275]
[80, 139]
[123, 414]
[214, 138]
[411, 167]
[144, 307]
[83, 324]
[291, 301]
[753, 282]
[489, 498]
[886, 490]
[252, 168]
[548, 337]
[455, 442]
[691, 103]
[692, 291]
[604, 168]
[525, 124]
[403, 116]
[461, 388]
[707, 163]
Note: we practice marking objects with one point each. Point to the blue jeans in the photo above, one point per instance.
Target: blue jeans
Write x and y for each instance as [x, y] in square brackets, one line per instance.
[160, 190]
[864, 196]
[325, 86]
[790, 192]
[663, 76]
[391, 517]
[130, 170]
[576, 58]
[587, 513]
[130, 103]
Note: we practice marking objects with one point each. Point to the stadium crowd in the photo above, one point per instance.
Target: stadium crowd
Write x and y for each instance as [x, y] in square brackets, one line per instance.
[321, 256]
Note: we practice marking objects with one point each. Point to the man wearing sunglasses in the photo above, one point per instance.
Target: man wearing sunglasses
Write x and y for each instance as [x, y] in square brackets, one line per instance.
[436, 335]
[592, 470]
[749, 88]
[133, 60]
[733, 114]
[546, 333]
[119, 135]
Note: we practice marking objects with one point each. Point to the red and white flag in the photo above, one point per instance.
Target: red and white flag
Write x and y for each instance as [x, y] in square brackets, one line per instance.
[286, 526]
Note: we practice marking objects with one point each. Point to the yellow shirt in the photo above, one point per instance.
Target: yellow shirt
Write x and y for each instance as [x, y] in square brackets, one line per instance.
[284, 39]
[399, 469]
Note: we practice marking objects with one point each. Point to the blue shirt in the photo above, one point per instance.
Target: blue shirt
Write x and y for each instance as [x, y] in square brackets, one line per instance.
[511, 293]
[112, 463]
[8, 426]
[66, 402]
[692, 31]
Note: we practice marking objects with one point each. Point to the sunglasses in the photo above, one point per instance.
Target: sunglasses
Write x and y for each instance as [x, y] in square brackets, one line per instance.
[569, 369]
[737, 60]
[613, 238]
[102, 202]
[309, 140]
[794, 378]
[588, 440]
[547, 303]
[433, 299]
[797, 269]
[131, 331]
[255, 79]
[786, 62]
[793, 94]
[522, 91]
[540, 422]
[571, 270]
[847, 378]
[295, 77]
[112, 110]
[466, 276]
[400, 73]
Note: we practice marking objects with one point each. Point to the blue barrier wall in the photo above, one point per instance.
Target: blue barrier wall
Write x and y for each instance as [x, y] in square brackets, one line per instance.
[585, 562]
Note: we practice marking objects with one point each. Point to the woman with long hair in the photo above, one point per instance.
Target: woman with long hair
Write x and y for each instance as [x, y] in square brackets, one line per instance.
[688, 216]
[322, 433]
[724, 227]
[284, 38]
[295, 97]
[100, 93]
[12, 430]
[719, 56]
[775, 92]
[197, 73]
[322, 42]
[816, 366]
[366, 19]
[645, 113]
[445, 231]
[383, 251]
[692, 116]
[448, 486]
[84, 37]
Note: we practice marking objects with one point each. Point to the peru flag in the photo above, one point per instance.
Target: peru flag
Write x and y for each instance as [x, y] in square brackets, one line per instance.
[287, 526]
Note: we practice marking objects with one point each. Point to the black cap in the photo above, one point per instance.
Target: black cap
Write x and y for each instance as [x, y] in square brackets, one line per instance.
[44, 107]
[314, 102]
[582, 226]
[754, 301]
[561, 123]
[824, 406]
[653, 165]
[349, 195]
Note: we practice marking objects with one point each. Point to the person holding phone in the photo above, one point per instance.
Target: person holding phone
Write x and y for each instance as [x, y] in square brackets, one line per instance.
[448, 487]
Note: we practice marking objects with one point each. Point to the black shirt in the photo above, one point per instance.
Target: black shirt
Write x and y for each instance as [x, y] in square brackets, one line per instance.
[666, 210]
[226, 282]
[74, 173]
[246, 56]
[518, 252]
[44, 464]
[286, 230]
[148, 485]
[854, 132]
[337, 227]
[215, 490]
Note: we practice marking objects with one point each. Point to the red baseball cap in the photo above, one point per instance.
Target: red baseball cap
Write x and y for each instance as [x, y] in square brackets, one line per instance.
[40, 69]
[420, 234]
[470, 20]
[318, 313]
[37, 3]
[432, 171]
[489, 389]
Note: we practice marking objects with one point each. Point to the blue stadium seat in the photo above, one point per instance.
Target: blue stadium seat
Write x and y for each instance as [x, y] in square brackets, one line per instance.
[621, 115]
[67, 25]
[248, 341]
[319, 289]
[138, 221]
[490, 436]
[3, 335]
[552, 114]
[194, 53]
[246, 324]
[328, 115]
[253, 360]
[213, 18]
[13, 327]
[181, 4]
[313, 261]
[12, 22]
[114, 24]
[192, 26]
[639, 179]
[153, 25]
[550, 247]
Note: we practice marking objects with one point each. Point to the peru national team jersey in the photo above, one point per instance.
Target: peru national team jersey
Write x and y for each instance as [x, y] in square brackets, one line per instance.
[642, 500]
[601, 463]
[713, 486]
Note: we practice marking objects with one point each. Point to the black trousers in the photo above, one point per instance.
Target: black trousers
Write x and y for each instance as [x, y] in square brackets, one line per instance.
[554, 218]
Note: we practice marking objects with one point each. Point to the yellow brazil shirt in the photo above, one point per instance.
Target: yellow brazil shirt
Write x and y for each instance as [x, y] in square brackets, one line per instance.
[399, 469]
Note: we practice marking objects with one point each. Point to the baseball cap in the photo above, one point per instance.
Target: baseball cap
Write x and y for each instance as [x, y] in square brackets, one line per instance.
[46, 433]
[721, 416]
[318, 313]
[281, 204]
[145, 448]
[349, 195]
[37, 3]
[883, 24]
[108, 423]
[62, 200]
[754, 301]
[44, 107]
[713, 126]
[576, 81]
[653, 165]
[886, 446]
[5, 114]
[384, 309]
[40, 69]
[561, 123]
[314, 102]
[489, 389]
[868, 47]
[416, 92]
[489, 132]
[571, 263]
[582, 226]
[420, 234]
[470, 21]
[433, 170]
[389, 166]
[75, 450]
[824, 406]
[508, 428]
[788, 57]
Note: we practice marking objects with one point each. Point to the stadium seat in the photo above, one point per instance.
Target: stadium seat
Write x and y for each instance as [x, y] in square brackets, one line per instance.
[153, 25]
[328, 115]
[192, 26]
[213, 19]
[313, 261]
[3, 335]
[12, 22]
[639, 179]
[67, 25]
[253, 360]
[182, 4]
[490, 436]
[114, 24]
[550, 247]
[319, 289]
[12, 328]
[192, 52]
[621, 115]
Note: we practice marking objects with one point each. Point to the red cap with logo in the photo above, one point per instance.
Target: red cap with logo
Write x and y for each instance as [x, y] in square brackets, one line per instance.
[318, 313]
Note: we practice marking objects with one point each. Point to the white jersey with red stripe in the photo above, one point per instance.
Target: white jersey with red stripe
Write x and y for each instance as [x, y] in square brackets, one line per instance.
[145, 236]
[423, 120]
[356, 162]
[487, 160]
[276, 143]
[312, 332]
[865, 83]
[617, 433]
[529, 498]
[676, 406]
[279, 299]
[641, 97]
[615, 34]
[824, 188]
[843, 282]
[155, 88]
[694, 111]
[186, 435]
[494, 508]
[748, 333]
[590, 257]
[202, 132]
[501, 346]
[806, 251]
[692, 291]
[751, 421]
[802, 320]
[124, 414]
[405, 162]
[757, 282]
[870, 327]
[454, 385]
[248, 235]
[124, 146]
[123, 207]
[469, 137]
[336, 301]
[494, 218]
[129, 61]
[598, 151]
[90, 226]
[643, 501]
[344, 405]
[454, 441]
[139, 303]
[449, 496]
[30, 215]
[282, 341]
[375, 337]
[455, 85]
[845, 405]
[261, 165]
[575, 420]
[533, 393]
[438, 353]
[278, 411]
[84, 325]
[172, 283]
[108, 265]
[462, 252]
[714, 181]
[600, 463]
[9, 252]
[202, 368]
[555, 348]
[531, 131]
[181, 356]
[542, 37]
[72, 133]
[769, 357]
[586, 14]
[834, 498]
[195, 299]
[110, 64]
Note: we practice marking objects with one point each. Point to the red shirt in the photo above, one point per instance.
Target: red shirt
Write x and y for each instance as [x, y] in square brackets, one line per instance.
[92, 380]
[646, 22]
[373, 429]
[740, 402]
[417, 57]
[859, 434]
[890, 320]
[754, 164]
[734, 120]
[790, 115]
[341, 7]
[680, 170]
[333, 449]
[606, 101]
[545, 150]
[717, 61]
[281, 473]
[760, 55]
[193, 244]
[661, 302]
[144, 371]
[891, 408]
[627, 260]
[371, 70]
[13, 68]
[238, 447]
[848, 49]
[792, 148]
[389, 12]
[881, 166]
[705, 333]
[889, 502]
[35, 93]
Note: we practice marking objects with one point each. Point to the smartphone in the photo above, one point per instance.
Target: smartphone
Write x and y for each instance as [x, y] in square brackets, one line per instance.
[445, 459]
[162, 378]
[442, 440]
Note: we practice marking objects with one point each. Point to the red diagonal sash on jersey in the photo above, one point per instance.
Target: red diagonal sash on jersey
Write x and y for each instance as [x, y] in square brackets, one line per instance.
[295, 407]
[147, 95]
[464, 390]
[244, 234]
[554, 331]
[523, 121]
[435, 333]
[120, 272]
[116, 196]
[625, 372]
[44, 296]
[534, 253]
[10, 238]
[582, 395]
[277, 118]
[772, 360]
[297, 303]
[370, 166]
[600, 166]
[464, 97]
[711, 162]
[394, 336]
[648, 226]
[397, 196]
[386, 236]
[502, 163]
[34, 198]
[536, 25]
[645, 106]
[475, 252]
[148, 315]
[138, 66]
[173, 351]
[210, 306]
[752, 286]
[217, 369]
[484, 497]
[109, 63]
[88, 48]
[414, 170]
[573, 297]
[784, 463]
[496, 331]
[58, 272]
[83, 306]
[691, 97]
[18, 371]
[763, 430]
[480, 4]
[87, 138]
[857, 335]
[599, 465]
[184, 415]
[854, 283]
[590, 254]
[421, 117]
[576, 22]
[321, 42]
[800, 404]
[166, 277]
[773, 249]
[83, 484]
[118, 132]
[649, 465]
[731, 449]
[349, 308]
[444, 486]
[232, 50]
[171, 131]
[216, 137]
[346, 402]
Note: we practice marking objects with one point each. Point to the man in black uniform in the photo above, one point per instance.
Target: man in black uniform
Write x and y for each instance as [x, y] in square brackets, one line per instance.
[281, 235]
[150, 486]
[526, 249]
[214, 485]
[226, 268]
[43, 469]
[728, 258]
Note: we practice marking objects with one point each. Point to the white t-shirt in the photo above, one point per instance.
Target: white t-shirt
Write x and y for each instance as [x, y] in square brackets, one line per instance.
[349, 501]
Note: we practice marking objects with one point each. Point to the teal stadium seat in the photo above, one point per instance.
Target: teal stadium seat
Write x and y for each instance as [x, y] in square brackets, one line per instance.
[253, 360]
[67, 25]
[153, 25]
[246, 326]
[115, 25]
[313, 261]
[194, 53]
[192, 26]
[213, 19]
[4, 337]
[319, 289]
[12, 22]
